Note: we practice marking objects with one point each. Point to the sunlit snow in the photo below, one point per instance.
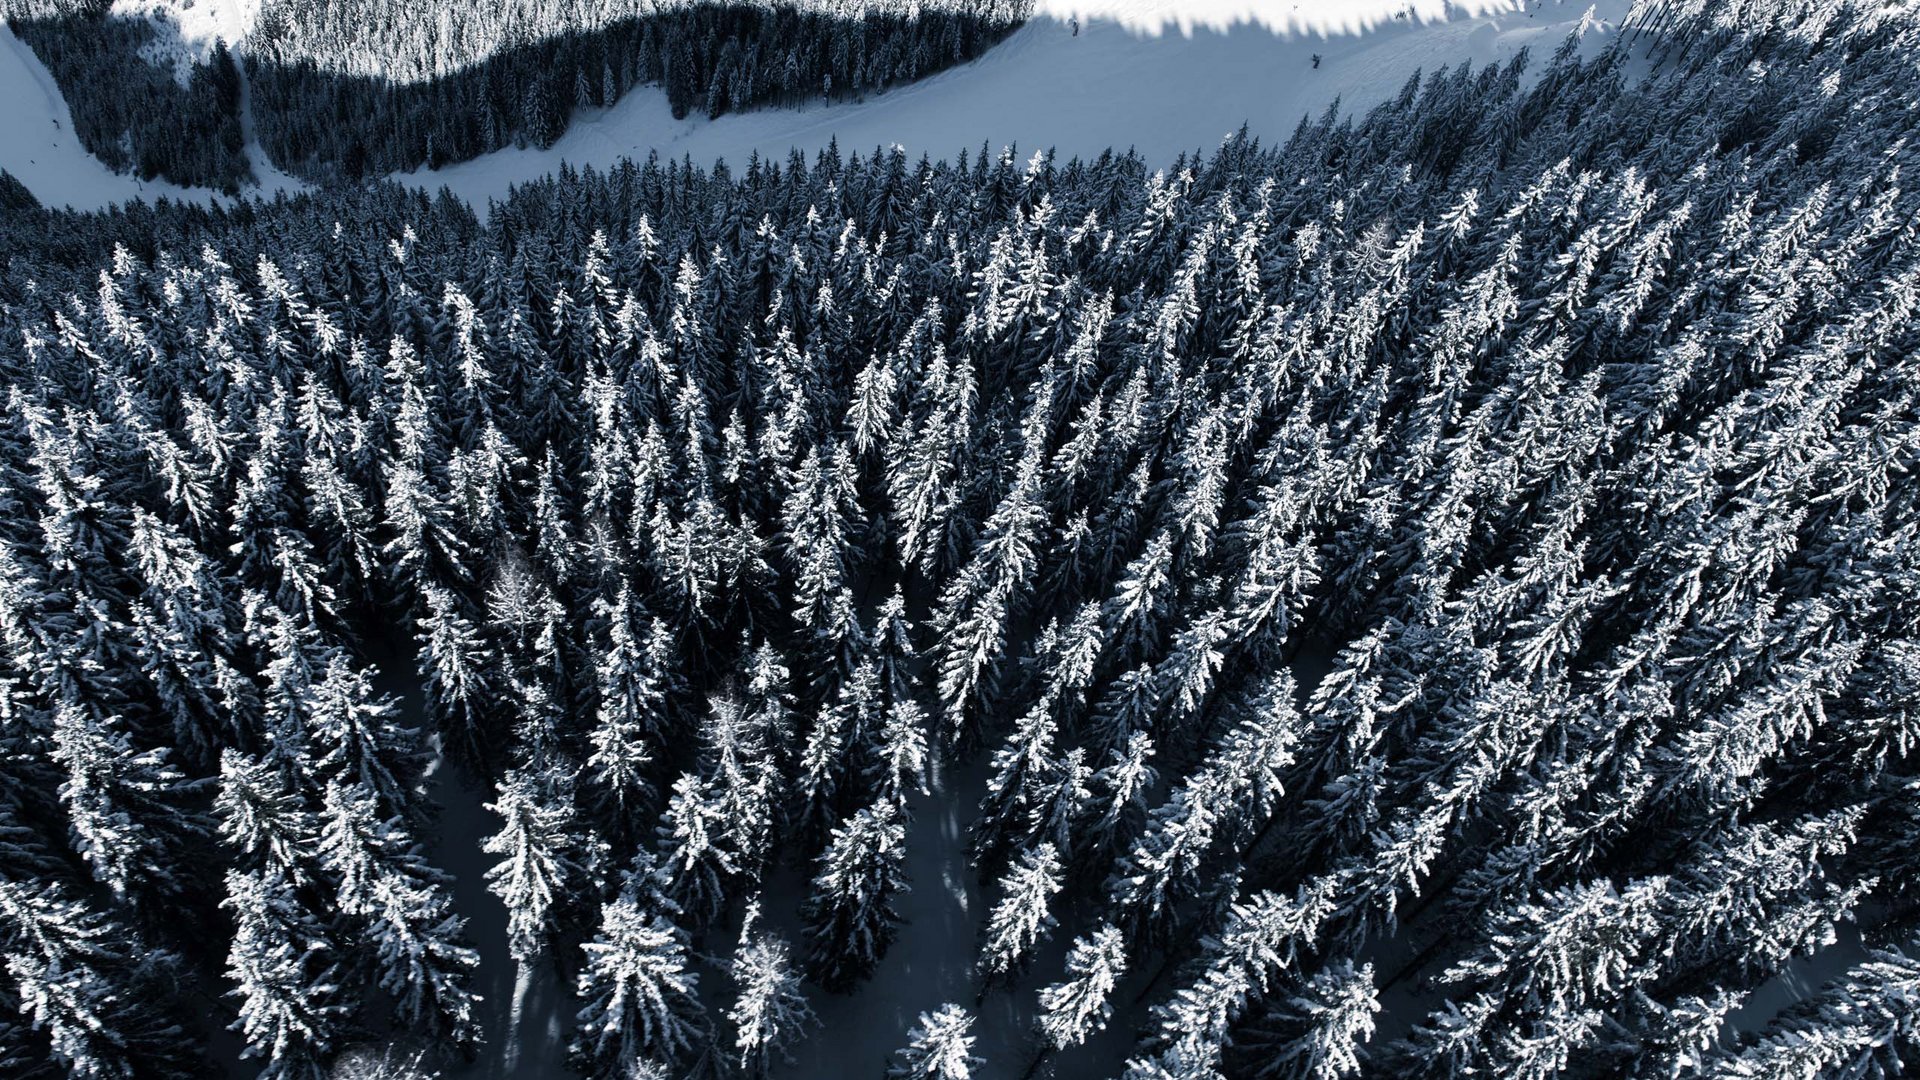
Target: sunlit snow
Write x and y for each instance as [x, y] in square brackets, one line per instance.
[38, 146]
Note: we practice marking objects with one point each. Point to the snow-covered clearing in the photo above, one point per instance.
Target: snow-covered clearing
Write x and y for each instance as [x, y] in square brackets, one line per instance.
[1083, 75]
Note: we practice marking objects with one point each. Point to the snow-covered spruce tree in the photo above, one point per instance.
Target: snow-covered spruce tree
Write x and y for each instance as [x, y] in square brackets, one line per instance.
[88, 986]
[1314, 1032]
[126, 807]
[770, 1012]
[357, 739]
[459, 671]
[402, 906]
[1261, 939]
[850, 916]
[639, 995]
[897, 765]
[543, 863]
[940, 1047]
[1863, 1023]
[183, 628]
[1021, 919]
[264, 818]
[631, 719]
[1082, 1003]
[696, 852]
[1020, 768]
[426, 965]
[743, 745]
[286, 975]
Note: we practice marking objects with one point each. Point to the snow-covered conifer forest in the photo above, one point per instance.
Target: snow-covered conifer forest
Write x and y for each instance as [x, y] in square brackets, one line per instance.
[1432, 596]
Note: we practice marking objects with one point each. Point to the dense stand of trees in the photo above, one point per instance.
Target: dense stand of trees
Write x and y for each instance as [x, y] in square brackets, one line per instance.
[1463, 557]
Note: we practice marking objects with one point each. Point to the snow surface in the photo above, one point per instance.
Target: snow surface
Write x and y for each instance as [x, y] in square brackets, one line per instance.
[1160, 76]
[1325, 18]
[200, 22]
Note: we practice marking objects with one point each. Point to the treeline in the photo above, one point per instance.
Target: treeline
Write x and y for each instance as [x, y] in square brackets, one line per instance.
[355, 88]
[1464, 557]
[15, 199]
[132, 113]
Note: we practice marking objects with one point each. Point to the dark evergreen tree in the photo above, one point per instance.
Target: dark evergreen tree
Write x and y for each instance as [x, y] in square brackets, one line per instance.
[850, 915]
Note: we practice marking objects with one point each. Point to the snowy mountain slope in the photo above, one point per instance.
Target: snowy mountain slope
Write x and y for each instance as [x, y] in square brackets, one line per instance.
[37, 142]
[1081, 76]
[38, 147]
[1084, 75]
[1325, 18]
[363, 87]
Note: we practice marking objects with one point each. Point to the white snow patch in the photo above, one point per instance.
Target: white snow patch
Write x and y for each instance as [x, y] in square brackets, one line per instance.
[510, 1046]
[200, 22]
[1086, 75]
